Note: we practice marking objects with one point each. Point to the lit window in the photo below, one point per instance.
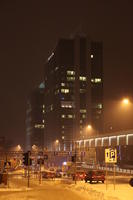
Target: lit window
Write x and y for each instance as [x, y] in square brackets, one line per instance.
[82, 78]
[99, 112]
[51, 107]
[67, 104]
[65, 91]
[96, 80]
[62, 84]
[41, 126]
[70, 78]
[56, 68]
[70, 72]
[57, 91]
[82, 110]
[43, 121]
[92, 56]
[83, 116]
[70, 116]
[81, 121]
[82, 91]
[43, 106]
[63, 116]
[99, 106]
[63, 126]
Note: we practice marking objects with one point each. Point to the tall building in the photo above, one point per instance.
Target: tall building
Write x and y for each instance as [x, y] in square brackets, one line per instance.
[35, 119]
[73, 76]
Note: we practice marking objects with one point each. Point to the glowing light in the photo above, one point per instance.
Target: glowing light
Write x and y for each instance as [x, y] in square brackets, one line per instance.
[89, 127]
[126, 101]
[64, 163]
[19, 147]
[50, 56]
[57, 141]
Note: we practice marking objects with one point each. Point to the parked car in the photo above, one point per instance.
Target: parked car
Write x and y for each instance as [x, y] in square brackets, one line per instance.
[57, 175]
[131, 182]
[95, 175]
[80, 175]
[48, 174]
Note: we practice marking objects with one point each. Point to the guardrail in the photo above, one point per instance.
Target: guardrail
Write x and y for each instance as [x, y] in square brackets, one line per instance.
[111, 169]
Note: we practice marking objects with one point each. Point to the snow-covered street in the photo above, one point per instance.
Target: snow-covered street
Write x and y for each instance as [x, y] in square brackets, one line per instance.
[65, 190]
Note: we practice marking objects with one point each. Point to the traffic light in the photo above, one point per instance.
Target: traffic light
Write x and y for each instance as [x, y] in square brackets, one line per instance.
[73, 158]
[26, 159]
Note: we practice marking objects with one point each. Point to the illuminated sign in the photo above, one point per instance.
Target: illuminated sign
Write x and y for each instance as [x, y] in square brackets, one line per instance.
[110, 155]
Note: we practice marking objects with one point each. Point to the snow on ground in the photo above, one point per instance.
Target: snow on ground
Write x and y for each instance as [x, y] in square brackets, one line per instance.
[99, 191]
[123, 191]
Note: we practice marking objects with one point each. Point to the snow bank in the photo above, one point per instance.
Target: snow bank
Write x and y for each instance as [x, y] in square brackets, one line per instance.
[99, 192]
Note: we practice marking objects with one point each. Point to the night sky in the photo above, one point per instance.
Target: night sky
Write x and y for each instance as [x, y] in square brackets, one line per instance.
[29, 31]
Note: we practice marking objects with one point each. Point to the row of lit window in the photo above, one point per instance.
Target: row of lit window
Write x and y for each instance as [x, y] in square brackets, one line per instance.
[99, 106]
[72, 73]
[41, 126]
[82, 110]
[68, 116]
[67, 104]
[81, 78]
[96, 80]
[65, 91]
[82, 91]
[70, 78]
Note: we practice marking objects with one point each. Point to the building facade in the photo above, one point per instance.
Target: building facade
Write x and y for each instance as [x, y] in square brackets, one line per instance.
[35, 119]
[73, 76]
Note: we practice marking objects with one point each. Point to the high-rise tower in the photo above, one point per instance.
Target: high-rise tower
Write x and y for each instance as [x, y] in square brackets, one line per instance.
[73, 90]
[35, 118]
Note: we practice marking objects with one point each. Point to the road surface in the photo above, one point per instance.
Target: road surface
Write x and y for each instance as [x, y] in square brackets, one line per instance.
[43, 192]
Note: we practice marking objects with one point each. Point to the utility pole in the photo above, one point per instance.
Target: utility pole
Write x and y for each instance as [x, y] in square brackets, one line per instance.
[75, 156]
[40, 176]
[28, 169]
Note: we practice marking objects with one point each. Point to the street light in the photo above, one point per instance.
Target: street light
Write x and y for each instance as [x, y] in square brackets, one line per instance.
[57, 145]
[119, 114]
[19, 147]
[57, 141]
[89, 127]
[125, 101]
[34, 147]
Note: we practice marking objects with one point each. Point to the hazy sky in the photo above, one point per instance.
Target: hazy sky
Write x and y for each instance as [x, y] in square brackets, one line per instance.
[30, 29]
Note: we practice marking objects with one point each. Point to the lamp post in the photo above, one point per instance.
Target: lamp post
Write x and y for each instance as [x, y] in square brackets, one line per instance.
[57, 145]
[88, 129]
[125, 101]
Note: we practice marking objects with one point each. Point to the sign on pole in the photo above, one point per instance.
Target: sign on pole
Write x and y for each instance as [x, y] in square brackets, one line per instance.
[110, 155]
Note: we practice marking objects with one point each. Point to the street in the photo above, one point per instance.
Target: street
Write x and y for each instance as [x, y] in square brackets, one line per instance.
[66, 189]
[48, 191]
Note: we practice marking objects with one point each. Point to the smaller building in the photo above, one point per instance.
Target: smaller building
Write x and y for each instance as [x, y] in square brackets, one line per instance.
[35, 119]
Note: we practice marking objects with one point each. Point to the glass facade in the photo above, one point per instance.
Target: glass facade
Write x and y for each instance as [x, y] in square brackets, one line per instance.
[74, 86]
